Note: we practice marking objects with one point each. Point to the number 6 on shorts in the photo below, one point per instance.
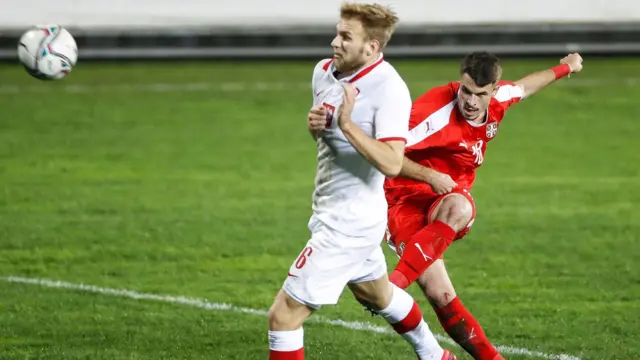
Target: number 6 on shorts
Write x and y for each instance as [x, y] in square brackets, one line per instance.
[302, 259]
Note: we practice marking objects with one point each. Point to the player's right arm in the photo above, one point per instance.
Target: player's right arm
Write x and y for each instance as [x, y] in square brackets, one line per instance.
[440, 182]
[537, 81]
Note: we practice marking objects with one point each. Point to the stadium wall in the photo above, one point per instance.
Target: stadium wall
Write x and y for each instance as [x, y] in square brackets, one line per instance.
[198, 29]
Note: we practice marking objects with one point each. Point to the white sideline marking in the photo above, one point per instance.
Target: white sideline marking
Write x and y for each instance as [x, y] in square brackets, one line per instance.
[250, 86]
[204, 304]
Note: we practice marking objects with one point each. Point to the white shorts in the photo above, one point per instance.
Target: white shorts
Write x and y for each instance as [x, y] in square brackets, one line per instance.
[330, 261]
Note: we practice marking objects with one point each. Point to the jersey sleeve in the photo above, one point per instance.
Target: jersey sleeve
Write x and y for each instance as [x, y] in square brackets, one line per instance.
[509, 94]
[320, 68]
[392, 117]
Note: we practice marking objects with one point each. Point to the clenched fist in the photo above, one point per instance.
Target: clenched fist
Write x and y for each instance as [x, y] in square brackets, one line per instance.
[574, 61]
[442, 183]
[317, 118]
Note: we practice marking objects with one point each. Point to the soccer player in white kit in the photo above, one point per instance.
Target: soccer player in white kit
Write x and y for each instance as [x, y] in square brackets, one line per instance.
[360, 122]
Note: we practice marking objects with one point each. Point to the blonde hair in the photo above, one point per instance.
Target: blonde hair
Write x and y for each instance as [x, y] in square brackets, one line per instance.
[378, 21]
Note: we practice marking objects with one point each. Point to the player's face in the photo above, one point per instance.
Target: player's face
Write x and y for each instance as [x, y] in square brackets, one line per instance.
[351, 47]
[473, 100]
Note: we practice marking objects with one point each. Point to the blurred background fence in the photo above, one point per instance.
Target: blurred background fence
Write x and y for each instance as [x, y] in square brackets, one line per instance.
[199, 29]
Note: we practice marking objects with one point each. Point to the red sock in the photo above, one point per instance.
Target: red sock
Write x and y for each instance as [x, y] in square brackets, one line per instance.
[287, 355]
[458, 322]
[425, 247]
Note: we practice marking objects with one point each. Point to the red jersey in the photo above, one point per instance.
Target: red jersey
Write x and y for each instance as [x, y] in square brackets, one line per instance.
[441, 139]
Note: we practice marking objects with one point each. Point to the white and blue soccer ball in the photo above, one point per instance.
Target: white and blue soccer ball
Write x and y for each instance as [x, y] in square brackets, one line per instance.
[48, 52]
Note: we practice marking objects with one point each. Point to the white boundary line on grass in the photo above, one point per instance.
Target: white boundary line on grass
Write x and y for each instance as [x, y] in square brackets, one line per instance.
[226, 86]
[207, 305]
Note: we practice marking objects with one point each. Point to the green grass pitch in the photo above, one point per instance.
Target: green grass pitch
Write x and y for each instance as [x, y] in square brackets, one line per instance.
[194, 179]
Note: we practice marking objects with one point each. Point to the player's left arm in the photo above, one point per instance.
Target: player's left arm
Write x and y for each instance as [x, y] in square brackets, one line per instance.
[317, 116]
[386, 151]
[537, 81]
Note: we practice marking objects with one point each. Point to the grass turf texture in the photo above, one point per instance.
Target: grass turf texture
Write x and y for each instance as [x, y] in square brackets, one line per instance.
[202, 186]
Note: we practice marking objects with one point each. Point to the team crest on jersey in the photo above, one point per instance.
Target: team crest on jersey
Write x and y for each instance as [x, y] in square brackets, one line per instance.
[492, 129]
[401, 247]
[331, 110]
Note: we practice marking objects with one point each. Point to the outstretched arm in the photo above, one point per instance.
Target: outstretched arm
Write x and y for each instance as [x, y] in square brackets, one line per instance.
[537, 81]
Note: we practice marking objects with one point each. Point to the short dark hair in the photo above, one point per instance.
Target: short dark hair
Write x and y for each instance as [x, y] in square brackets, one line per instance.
[483, 67]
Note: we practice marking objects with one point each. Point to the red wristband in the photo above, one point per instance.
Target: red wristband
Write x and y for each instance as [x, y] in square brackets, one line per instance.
[561, 70]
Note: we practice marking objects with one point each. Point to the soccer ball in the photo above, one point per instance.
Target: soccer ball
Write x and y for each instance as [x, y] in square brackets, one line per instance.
[48, 52]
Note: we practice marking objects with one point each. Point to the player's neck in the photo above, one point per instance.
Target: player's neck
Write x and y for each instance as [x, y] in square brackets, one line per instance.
[372, 60]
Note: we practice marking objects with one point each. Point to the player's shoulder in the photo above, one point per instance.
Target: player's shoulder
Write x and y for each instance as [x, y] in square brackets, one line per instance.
[391, 77]
[383, 82]
[388, 70]
[381, 72]
[438, 101]
[437, 97]
[323, 65]
[507, 91]
[320, 70]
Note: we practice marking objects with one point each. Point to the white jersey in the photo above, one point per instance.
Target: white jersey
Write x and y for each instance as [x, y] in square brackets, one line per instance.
[349, 195]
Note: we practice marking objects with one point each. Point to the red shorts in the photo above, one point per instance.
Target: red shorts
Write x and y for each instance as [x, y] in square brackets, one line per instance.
[411, 214]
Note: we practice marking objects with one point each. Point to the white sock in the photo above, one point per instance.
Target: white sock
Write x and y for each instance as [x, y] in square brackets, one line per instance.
[286, 340]
[403, 314]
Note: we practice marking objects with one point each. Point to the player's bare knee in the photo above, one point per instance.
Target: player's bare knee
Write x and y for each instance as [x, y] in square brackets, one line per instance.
[364, 303]
[285, 314]
[375, 295]
[277, 317]
[455, 211]
[284, 319]
[380, 301]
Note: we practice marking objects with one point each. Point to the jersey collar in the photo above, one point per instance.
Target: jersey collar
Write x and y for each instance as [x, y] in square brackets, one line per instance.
[360, 73]
[486, 120]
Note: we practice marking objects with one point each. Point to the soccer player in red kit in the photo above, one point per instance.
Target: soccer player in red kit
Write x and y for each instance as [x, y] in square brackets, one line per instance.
[430, 203]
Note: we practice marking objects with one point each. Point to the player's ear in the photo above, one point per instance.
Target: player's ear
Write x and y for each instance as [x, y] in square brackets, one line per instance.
[374, 46]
